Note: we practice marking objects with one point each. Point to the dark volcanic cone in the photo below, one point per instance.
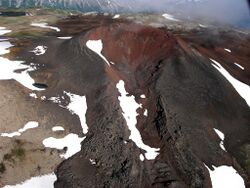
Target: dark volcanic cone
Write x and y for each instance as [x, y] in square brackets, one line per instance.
[186, 98]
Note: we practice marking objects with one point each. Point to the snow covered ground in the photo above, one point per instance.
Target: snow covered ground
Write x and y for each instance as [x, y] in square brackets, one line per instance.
[64, 38]
[45, 25]
[71, 141]
[97, 46]
[77, 105]
[45, 181]
[4, 31]
[8, 72]
[225, 176]
[222, 137]
[238, 65]
[228, 50]
[29, 125]
[8, 69]
[4, 47]
[143, 96]
[40, 50]
[116, 16]
[242, 88]
[170, 17]
[129, 107]
[57, 128]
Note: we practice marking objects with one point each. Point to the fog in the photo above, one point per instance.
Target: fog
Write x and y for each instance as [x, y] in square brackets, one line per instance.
[229, 11]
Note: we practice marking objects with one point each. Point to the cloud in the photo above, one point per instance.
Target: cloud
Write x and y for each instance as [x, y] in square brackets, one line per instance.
[229, 11]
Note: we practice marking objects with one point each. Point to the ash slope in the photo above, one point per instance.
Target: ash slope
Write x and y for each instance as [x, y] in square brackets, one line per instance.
[186, 98]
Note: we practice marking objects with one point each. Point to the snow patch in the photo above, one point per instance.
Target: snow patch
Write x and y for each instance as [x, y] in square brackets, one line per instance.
[143, 96]
[116, 16]
[241, 88]
[225, 176]
[129, 107]
[142, 157]
[78, 106]
[40, 50]
[29, 125]
[65, 38]
[33, 95]
[228, 50]
[97, 46]
[10, 135]
[71, 141]
[239, 66]
[8, 68]
[7, 72]
[92, 161]
[45, 25]
[56, 100]
[90, 13]
[4, 47]
[145, 112]
[37, 182]
[222, 137]
[43, 98]
[57, 128]
[4, 31]
[170, 17]
[202, 26]
[5, 39]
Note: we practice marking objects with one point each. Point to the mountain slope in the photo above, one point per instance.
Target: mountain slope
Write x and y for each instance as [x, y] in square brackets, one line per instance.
[186, 99]
[148, 90]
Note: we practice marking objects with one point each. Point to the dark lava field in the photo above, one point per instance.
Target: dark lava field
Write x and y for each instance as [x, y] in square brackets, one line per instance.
[149, 100]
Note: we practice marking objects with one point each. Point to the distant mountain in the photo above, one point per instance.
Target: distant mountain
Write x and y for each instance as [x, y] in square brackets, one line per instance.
[81, 5]
[100, 5]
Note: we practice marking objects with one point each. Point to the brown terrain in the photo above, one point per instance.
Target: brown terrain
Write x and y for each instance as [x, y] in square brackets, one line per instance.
[186, 98]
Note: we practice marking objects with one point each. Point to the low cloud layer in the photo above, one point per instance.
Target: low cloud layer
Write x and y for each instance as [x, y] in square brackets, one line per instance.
[230, 11]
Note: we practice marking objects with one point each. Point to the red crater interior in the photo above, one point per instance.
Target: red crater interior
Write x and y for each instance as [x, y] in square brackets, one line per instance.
[133, 44]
